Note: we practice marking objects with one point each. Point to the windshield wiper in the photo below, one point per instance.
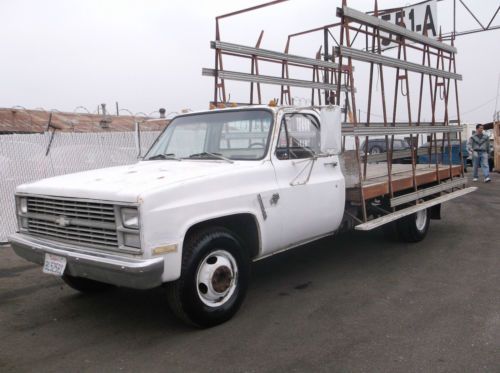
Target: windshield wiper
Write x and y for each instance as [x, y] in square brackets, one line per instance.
[164, 156]
[211, 155]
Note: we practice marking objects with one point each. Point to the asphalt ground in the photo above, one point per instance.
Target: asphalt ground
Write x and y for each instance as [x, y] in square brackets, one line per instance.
[354, 303]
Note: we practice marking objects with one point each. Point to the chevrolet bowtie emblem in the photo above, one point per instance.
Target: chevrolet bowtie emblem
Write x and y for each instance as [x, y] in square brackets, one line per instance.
[63, 221]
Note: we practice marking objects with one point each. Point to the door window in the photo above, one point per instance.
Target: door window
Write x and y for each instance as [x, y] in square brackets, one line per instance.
[299, 137]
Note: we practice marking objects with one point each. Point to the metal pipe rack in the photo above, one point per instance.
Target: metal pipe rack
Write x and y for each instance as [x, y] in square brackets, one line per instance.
[333, 77]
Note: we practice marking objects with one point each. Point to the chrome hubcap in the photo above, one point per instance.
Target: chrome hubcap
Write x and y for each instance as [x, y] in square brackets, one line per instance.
[216, 278]
[421, 219]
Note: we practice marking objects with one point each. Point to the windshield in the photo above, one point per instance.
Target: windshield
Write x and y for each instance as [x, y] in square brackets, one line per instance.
[230, 135]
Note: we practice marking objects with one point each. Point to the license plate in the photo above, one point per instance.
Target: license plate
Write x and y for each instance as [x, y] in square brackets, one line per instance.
[54, 264]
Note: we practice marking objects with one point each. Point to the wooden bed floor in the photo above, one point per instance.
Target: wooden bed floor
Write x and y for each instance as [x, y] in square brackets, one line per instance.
[377, 181]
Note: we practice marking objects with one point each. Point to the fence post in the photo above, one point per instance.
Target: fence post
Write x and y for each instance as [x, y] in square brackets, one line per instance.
[138, 139]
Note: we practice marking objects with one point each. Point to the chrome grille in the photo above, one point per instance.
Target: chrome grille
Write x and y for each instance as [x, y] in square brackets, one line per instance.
[72, 209]
[87, 223]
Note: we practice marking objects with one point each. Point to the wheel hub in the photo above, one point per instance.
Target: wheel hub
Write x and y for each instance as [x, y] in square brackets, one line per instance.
[421, 219]
[217, 278]
[221, 279]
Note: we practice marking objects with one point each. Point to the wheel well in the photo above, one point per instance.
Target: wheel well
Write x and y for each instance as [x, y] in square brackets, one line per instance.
[244, 226]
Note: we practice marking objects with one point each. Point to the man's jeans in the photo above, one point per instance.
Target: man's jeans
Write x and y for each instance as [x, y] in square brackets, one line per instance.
[480, 158]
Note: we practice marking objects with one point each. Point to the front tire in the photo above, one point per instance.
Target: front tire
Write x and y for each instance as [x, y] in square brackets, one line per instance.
[414, 227]
[214, 279]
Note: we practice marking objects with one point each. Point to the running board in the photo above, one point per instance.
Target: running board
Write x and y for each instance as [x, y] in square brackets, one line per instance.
[375, 223]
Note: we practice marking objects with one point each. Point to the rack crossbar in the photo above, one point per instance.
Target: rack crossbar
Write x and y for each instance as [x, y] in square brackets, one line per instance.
[266, 53]
[372, 21]
[422, 193]
[394, 62]
[265, 79]
[375, 223]
[382, 131]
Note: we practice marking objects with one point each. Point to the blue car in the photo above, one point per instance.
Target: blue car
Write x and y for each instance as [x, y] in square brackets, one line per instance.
[443, 153]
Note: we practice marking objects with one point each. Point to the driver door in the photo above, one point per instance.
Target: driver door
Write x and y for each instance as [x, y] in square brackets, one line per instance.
[311, 188]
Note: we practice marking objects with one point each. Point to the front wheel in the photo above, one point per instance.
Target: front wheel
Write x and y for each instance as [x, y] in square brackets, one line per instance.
[414, 227]
[214, 279]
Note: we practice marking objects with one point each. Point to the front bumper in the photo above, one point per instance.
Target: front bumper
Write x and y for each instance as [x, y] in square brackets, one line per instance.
[98, 266]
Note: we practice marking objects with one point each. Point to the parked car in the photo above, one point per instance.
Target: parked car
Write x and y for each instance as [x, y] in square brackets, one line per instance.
[443, 153]
[377, 146]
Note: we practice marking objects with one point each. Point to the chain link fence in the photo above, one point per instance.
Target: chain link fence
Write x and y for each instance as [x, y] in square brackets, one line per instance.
[28, 157]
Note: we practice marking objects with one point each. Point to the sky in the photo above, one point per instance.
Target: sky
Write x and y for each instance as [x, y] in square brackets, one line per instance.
[62, 54]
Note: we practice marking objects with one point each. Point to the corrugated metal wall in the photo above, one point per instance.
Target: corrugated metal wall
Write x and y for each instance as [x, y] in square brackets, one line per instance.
[23, 159]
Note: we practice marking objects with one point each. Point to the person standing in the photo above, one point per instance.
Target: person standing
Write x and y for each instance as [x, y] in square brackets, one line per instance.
[479, 148]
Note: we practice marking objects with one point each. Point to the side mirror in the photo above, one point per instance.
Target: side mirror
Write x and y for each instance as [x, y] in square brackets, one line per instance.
[331, 130]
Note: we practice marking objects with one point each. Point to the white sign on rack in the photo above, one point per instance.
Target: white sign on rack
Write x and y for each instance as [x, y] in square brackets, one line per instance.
[416, 18]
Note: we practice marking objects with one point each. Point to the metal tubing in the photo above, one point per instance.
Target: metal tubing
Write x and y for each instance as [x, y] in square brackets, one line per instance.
[448, 36]
[250, 51]
[376, 33]
[369, 107]
[412, 46]
[366, 19]
[265, 79]
[435, 134]
[458, 113]
[410, 197]
[250, 9]
[372, 224]
[315, 29]
[345, 25]
[473, 15]
[397, 154]
[394, 62]
[413, 155]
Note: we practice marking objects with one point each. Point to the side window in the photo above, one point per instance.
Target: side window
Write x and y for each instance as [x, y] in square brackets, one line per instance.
[299, 137]
[399, 145]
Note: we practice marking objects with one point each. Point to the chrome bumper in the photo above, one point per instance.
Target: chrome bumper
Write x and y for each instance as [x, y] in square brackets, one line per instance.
[103, 267]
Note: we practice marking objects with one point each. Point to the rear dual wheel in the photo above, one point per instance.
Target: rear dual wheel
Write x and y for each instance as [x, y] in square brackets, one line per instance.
[411, 228]
[414, 227]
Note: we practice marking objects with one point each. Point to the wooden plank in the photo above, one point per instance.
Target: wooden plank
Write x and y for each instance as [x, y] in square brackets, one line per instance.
[377, 184]
[376, 190]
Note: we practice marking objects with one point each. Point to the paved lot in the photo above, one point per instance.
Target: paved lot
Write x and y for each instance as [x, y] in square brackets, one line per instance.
[355, 303]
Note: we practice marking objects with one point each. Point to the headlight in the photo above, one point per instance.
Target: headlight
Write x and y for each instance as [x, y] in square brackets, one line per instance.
[23, 205]
[130, 218]
[132, 240]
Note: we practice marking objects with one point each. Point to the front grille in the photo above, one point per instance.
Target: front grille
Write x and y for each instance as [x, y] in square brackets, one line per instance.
[86, 223]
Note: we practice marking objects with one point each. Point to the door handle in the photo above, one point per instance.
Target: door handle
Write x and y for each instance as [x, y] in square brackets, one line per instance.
[333, 164]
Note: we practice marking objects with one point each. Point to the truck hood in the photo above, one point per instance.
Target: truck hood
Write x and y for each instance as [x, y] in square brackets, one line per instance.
[127, 183]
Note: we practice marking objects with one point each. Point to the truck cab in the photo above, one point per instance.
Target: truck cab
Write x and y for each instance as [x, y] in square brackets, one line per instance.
[216, 190]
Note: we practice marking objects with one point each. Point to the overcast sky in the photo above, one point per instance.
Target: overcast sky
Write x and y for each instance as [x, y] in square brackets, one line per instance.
[149, 54]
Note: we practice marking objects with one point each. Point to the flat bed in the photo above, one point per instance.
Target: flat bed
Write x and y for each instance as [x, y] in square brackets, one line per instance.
[376, 183]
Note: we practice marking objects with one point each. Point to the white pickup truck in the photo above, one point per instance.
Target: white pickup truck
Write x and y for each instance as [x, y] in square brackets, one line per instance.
[216, 191]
